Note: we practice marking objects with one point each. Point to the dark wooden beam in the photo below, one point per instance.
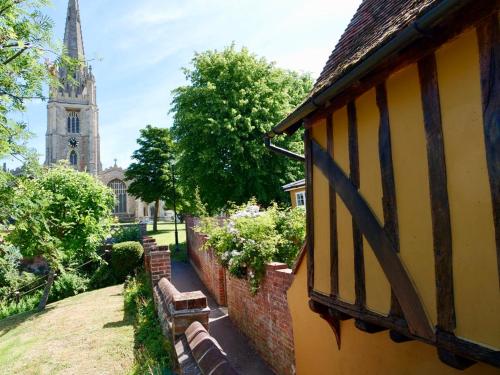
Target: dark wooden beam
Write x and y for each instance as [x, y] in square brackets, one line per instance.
[444, 340]
[389, 204]
[309, 210]
[398, 337]
[466, 349]
[441, 222]
[489, 51]
[355, 312]
[359, 260]
[381, 244]
[364, 326]
[334, 257]
[454, 360]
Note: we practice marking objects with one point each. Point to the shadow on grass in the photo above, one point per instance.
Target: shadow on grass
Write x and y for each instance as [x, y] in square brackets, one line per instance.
[122, 323]
[14, 321]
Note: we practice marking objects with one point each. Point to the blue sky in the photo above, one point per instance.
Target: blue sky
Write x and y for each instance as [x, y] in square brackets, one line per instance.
[140, 47]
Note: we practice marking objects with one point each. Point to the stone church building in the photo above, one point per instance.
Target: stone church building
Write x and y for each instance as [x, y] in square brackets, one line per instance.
[73, 125]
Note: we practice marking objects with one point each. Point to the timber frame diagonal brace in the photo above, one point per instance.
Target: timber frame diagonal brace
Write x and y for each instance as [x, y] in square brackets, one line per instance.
[382, 246]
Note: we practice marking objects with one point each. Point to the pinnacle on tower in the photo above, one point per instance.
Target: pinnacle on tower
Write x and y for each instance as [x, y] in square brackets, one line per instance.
[73, 39]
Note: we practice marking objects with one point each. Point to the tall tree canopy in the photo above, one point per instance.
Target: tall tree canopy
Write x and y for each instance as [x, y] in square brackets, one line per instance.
[232, 100]
[151, 172]
[62, 215]
[28, 59]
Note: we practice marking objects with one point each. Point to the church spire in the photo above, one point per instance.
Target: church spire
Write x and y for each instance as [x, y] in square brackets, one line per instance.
[73, 39]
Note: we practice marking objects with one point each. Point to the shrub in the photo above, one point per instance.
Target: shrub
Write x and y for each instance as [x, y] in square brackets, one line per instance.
[126, 233]
[251, 238]
[125, 257]
[25, 304]
[67, 285]
[291, 226]
[10, 258]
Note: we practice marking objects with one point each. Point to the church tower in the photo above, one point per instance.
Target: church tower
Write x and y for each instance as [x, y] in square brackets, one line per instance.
[72, 112]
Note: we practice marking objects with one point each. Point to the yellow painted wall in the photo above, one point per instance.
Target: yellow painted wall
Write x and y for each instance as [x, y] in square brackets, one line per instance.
[344, 219]
[378, 290]
[476, 279]
[293, 197]
[316, 350]
[321, 188]
[477, 296]
[409, 153]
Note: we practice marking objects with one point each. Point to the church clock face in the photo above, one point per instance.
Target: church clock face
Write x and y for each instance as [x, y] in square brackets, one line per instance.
[73, 143]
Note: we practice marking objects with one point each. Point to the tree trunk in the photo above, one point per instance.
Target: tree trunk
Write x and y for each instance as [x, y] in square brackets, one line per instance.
[45, 297]
[155, 219]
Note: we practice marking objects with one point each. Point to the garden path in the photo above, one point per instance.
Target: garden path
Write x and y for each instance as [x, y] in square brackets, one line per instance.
[237, 347]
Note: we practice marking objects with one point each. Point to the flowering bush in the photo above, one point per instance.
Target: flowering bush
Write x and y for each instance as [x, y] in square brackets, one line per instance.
[250, 238]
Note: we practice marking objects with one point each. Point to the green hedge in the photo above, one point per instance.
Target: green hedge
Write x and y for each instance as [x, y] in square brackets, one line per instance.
[125, 257]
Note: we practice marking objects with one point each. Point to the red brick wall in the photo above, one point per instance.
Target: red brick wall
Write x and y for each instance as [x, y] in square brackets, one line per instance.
[156, 260]
[160, 266]
[265, 318]
[205, 263]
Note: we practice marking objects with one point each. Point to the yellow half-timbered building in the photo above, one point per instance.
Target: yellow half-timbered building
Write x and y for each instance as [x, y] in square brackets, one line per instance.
[402, 139]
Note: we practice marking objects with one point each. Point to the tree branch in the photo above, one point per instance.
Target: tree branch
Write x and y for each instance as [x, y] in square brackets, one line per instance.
[15, 56]
[21, 98]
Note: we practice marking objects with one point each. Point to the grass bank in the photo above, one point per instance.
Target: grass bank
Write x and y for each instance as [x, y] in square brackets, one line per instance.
[86, 334]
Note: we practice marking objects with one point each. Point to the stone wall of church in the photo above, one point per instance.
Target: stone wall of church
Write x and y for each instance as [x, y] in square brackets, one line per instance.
[117, 173]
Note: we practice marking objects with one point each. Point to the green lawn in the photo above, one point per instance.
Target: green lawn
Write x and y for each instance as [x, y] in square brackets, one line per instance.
[85, 334]
[166, 236]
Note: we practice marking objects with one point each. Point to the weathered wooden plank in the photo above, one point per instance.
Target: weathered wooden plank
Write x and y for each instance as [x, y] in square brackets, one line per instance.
[359, 261]
[388, 184]
[378, 240]
[309, 210]
[441, 222]
[489, 50]
[334, 254]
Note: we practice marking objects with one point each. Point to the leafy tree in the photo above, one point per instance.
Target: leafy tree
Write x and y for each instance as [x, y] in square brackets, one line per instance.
[232, 100]
[151, 172]
[62, 216]
[28, 59]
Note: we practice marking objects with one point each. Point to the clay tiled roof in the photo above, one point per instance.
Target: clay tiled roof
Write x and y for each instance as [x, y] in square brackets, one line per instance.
[374, 24]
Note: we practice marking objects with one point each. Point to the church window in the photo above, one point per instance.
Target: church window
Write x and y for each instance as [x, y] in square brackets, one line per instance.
[73, 122]
[120, 190]
[73, 158]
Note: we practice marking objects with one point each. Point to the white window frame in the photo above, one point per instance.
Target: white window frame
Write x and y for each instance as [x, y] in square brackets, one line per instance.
[303, 194]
